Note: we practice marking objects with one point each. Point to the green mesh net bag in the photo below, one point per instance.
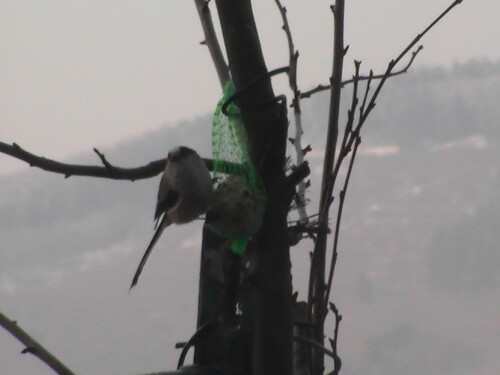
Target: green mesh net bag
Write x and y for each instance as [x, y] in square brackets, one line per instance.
[239, 199]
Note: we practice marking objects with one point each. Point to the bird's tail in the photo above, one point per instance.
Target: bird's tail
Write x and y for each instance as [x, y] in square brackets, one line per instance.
[165, 222]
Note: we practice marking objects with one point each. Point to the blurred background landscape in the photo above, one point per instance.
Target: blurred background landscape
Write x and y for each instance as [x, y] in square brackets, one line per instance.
[417, 280]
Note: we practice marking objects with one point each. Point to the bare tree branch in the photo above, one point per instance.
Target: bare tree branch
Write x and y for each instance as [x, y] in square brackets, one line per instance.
[212, 42]
[107, 171]
[297, 140]
[365, 109]
[342, 195]
[319, 88]
[317, 273]
[33, 347]
[346, 145]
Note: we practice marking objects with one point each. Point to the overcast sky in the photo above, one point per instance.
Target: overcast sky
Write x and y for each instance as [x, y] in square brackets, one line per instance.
[83, 73]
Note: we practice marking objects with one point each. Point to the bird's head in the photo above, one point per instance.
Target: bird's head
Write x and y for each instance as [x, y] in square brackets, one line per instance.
[180, 153]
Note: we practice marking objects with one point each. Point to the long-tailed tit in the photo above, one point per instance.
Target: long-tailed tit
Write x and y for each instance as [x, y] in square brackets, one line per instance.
[184, 194]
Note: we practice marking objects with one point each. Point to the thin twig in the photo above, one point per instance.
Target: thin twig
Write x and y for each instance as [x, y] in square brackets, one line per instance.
[212, 42]
[319, 88]
[342, 195]
[346, 145]
[33, 347]
[337, 362]
[367, 91]
[354, 103]
[394, 62]
[314, 344]
[192, 341]
[426, 30]
[105, 161]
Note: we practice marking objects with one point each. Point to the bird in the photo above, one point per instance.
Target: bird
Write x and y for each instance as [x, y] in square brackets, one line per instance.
[184, 194]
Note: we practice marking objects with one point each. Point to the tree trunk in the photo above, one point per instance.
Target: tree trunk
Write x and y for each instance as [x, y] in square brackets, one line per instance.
[268, 312]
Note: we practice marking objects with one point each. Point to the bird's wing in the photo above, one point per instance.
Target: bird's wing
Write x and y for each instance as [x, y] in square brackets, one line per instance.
[167, 198]
[164, 223]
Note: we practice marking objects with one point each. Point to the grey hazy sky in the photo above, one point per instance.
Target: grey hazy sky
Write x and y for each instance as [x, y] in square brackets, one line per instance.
[83, 73]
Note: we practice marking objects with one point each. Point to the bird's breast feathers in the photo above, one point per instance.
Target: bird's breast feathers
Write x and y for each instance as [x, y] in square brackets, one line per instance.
[193, 184]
